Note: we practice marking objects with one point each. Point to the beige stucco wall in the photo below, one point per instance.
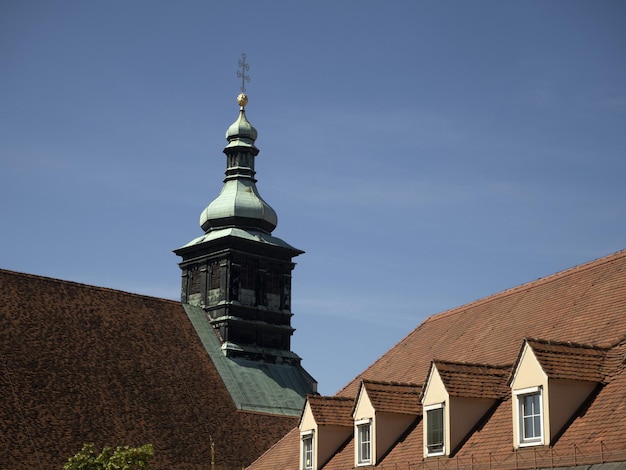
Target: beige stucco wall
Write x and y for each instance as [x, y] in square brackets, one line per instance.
[566, 396]
[434, 394]
[530, 374]
[364, 410]
[329, 439]
[307, 421]
[464, 414]
[389, 427]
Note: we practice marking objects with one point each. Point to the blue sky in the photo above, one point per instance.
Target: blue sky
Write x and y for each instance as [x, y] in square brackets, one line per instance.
[423, 154]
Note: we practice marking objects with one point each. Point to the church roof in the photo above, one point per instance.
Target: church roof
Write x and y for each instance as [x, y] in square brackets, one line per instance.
[581, 313]
[85, 364]
[254, 385]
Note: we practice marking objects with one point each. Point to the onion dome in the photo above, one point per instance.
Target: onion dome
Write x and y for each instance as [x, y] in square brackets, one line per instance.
[239, 203]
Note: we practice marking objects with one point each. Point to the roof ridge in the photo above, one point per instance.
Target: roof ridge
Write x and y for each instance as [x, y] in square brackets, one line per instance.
[527, 285]
[572, 344]
[328, 397]
[384, 382]
[473, 364]
[81, 284]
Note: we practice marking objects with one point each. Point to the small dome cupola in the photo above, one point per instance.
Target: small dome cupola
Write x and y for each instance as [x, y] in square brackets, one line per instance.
[239, 203]
[241, 133]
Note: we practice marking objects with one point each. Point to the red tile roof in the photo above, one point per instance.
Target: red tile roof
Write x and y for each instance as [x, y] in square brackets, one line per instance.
[569, 361]
[474, 380]
[87, 364]
[393, 397]
[582, 305]
[331, 411]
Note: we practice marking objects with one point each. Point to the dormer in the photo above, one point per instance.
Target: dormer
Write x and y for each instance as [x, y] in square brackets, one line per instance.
[325, 425]
[382, 413]
[549, 383]
[455, 398]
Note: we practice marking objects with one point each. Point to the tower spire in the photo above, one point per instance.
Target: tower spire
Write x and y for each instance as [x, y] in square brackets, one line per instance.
[239, 204]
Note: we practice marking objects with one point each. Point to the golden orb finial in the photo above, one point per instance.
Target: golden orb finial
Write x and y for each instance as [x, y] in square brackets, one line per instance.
[242, 100]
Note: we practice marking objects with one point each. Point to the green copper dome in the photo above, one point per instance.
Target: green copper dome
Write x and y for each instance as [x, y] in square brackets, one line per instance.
[239, 203]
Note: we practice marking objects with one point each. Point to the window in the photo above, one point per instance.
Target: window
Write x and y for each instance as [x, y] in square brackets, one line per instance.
[434, 430]
[530, 416]
[364, 442]
[307, 451]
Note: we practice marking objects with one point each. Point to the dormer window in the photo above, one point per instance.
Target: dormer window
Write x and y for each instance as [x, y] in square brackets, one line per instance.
[530, 416]
[307, 450]
[435, 437]
[364, 441]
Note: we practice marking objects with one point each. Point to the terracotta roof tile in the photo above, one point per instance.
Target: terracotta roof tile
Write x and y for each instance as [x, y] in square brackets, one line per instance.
[87, 364]
[331, 411]
[283, 455]
[474, 380]
[560, 360]
[393, 397]
[583, 305]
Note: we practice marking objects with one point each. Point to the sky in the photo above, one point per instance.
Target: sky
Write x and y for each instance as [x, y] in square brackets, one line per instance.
[423, 154]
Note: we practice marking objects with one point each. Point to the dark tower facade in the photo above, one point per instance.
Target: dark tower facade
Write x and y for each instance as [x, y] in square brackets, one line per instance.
[237, 272]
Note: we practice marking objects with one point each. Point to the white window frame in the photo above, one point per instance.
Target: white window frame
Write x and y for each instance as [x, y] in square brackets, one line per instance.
[307, 436]
[519, 398]
[359, 425]
[427, 408]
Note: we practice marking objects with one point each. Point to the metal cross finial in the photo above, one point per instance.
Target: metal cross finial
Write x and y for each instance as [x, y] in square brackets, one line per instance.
[242, 73]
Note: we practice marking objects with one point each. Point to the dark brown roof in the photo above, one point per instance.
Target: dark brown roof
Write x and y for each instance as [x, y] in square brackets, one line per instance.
[88, 364]
[474, 380]
[331, 411]
[583, 305]
[393, 397]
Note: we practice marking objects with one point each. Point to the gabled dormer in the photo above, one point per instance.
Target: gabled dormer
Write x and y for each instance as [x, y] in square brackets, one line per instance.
[382, 413]
[325, 425]
[549, 383]
[455, 398]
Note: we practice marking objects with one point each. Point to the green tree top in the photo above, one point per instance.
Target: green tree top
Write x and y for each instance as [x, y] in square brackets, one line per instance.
[122, 458]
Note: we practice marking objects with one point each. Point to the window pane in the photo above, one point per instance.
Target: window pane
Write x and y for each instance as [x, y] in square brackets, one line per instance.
[434, 431]
[307, 453]
[530, 414]
[364, 443]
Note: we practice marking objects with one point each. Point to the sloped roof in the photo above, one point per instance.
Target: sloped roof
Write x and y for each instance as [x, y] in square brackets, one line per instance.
[254, 385]
[393, 397]
[582, 305]
[585, 304]
[569, 360]
[474, 380]
[88, 364]
[331, 411]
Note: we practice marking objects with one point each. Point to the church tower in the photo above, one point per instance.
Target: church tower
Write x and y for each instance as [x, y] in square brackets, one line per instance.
[238, 275]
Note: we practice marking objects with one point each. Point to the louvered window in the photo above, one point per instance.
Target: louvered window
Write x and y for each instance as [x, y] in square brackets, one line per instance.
[435, 436]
